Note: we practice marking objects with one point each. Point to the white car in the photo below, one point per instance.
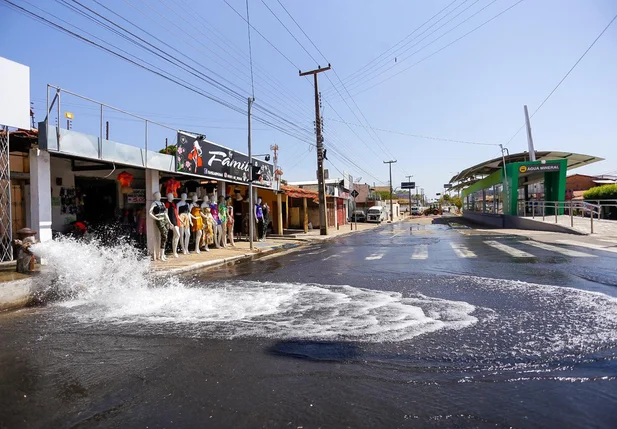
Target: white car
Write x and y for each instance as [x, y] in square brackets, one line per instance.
[376, 214]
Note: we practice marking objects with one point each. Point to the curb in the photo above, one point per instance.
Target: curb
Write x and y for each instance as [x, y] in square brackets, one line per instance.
[222, 261]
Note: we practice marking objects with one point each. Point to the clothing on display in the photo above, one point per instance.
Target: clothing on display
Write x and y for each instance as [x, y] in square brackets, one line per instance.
[183, 216]
[172, 186]
[208, 227]
[214, 209]
[161, 221]
[172, 212]
[197, 219]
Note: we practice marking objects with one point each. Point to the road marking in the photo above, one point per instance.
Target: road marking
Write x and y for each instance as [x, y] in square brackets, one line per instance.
[509, 250]
[420, 252]
[462, 251]
[587, 245]
[613, 241]
[556, 249]
[374, 256]
[316, 252]
[330, 257]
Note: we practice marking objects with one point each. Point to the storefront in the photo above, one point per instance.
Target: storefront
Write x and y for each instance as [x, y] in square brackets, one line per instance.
[489, 189]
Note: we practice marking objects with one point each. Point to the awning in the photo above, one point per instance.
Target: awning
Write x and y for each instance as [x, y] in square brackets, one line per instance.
[488, 167]
[297, 192]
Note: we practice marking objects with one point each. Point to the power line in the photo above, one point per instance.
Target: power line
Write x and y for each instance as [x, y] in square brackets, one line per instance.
[248, 21]
[440, 49]
[422, 136]
[399, 52]
[565, 76]
[399, 42]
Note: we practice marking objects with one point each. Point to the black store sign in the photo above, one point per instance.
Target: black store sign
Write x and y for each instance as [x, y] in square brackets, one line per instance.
[538, 168]
[199, 156]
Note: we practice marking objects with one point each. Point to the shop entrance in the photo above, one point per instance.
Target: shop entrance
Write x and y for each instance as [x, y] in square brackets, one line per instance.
[100, 199]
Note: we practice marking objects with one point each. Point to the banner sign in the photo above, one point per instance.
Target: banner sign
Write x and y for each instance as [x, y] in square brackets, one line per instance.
[138, 196]
[538, 168]
[199, 156]
[408, 185]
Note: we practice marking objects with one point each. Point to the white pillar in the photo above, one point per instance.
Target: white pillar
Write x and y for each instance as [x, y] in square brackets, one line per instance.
[335, 199]
[40, 193]
[152, 186]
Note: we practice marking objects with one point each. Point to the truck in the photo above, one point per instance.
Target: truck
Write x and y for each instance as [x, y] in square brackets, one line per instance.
[376, 214]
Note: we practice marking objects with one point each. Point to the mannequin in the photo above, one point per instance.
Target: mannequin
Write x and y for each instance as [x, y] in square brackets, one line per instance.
[230, 221]
[172, 213]
[218, 230]
[209, 225]
[197, 225]
[223, 218]
[207, 221]
[158, 213]
[184, 223]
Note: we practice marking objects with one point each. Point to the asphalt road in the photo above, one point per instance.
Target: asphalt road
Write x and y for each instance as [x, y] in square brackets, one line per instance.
[408, 325]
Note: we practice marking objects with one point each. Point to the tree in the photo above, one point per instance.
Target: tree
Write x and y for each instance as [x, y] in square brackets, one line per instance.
[172, 149]
[385, 195]
[457, 202]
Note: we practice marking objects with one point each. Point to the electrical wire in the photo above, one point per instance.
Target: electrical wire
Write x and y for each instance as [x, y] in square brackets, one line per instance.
[564, 77]
[248, 21]
[440, 49]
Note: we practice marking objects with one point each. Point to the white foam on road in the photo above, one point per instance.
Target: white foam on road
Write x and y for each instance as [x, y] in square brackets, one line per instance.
[420, 252]
[462, 251]
[588, 245]
[375, 256]
[508, 249]
[560, 250]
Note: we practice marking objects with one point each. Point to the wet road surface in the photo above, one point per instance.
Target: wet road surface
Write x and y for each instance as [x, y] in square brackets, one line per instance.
[403, 326]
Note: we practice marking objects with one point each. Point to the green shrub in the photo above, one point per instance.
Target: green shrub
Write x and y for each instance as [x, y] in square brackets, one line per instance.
[172, 149]
[604, 192]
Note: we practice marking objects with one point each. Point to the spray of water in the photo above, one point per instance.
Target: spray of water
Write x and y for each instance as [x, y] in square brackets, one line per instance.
[115, 285]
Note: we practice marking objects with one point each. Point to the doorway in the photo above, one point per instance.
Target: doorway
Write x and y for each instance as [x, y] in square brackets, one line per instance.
[100, 199]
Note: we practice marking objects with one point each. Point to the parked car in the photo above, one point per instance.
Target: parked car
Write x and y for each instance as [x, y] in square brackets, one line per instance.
[358, 216]
[416, 211]
[376, 214]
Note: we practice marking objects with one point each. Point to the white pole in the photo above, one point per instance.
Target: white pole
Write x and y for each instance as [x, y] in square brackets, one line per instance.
[532, 152]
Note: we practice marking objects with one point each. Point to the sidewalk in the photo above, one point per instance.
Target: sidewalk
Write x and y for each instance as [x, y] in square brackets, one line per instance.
[601, 227]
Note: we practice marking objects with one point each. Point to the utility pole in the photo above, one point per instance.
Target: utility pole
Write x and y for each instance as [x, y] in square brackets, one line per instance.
[532, 151]
[391, 205]
[323, 216]
[279, 198]
[409, 180]
[251, 203]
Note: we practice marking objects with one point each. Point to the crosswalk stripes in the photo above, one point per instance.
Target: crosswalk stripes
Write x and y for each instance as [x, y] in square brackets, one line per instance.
[462, 251]
[560, 250]
[420, 252]
[588, 245]
[509, 250]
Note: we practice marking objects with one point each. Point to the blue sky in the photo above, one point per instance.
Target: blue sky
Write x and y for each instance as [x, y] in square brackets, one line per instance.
[473, 90]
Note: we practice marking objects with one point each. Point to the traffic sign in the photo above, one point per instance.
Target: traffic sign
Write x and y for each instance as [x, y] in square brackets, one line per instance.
[408, 185]
[354, 193]
[447, 186]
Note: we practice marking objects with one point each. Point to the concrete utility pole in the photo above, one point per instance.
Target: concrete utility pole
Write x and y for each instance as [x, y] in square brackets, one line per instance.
[409, 180]
[532, 151]
[323, 214]
[391, 205]
[251, 202]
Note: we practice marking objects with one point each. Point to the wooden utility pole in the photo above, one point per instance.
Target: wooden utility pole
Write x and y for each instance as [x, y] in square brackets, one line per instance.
[391, 205]
[323, 216]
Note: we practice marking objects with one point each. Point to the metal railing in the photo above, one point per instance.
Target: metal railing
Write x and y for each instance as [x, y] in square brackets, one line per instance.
[550, 209]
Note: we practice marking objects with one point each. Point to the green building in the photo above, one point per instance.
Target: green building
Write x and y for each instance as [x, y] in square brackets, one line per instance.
[491, 193]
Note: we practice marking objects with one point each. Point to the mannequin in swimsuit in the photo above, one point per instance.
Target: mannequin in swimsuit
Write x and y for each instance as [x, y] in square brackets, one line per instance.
[158, 213]
[205, 236]
[197, 225]
[172, 213]
[184, 223]
[218, 230]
